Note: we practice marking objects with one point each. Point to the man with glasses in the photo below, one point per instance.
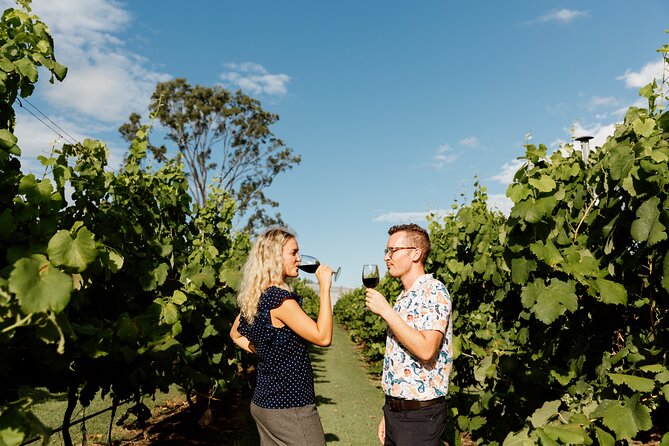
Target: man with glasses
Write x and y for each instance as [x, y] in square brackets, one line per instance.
[419, 348]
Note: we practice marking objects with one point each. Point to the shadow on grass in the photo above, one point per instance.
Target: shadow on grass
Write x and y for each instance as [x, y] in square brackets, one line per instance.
[320, 400]
[226, 421]
[316, 357]
[42, 395]
[330, 438]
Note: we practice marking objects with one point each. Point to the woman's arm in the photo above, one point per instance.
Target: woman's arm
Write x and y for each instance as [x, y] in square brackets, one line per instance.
[317, 332]
[240, 340]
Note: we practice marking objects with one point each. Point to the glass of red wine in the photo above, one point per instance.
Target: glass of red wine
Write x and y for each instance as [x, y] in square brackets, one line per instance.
[310, 264]
[370, 275]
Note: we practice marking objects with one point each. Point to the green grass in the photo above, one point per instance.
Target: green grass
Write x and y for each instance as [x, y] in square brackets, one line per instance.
[51, 407]
[349, 399]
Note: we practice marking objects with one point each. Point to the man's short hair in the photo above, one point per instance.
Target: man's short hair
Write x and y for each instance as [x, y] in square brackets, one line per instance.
[418, 236]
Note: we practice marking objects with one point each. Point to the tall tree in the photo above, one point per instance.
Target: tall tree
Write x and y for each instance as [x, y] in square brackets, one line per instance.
[222, 134]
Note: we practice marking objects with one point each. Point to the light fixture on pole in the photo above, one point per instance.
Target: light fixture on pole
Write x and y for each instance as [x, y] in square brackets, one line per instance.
[585, 147]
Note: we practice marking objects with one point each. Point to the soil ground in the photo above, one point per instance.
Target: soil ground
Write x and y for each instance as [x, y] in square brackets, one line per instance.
[224, 422]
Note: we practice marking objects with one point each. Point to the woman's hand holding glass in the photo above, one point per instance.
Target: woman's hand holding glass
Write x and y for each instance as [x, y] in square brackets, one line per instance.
[324, 275]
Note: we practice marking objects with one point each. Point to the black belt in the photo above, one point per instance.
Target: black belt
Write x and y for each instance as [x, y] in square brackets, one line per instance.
[398, 404]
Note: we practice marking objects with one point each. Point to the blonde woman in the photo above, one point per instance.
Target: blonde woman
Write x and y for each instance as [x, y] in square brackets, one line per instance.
[273, 325]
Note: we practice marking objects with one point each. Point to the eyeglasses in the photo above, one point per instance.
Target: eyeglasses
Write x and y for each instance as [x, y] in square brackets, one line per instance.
[392, 250]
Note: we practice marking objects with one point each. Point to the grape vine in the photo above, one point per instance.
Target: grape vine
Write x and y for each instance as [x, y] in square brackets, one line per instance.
[561, 308]
[111, 283]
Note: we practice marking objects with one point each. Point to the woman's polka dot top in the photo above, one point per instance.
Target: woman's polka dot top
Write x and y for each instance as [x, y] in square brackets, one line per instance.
[285, 378]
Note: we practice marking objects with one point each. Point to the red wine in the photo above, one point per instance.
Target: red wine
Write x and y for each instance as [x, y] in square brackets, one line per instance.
[370, 282]
[308, 268]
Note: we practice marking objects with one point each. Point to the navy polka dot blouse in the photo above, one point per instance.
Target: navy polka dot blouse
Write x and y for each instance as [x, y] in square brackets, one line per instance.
[285, 378]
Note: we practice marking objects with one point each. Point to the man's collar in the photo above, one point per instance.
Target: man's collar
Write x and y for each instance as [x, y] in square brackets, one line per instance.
[417, 283]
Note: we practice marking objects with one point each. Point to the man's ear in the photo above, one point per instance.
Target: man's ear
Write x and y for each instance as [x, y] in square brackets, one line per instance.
[416, 253]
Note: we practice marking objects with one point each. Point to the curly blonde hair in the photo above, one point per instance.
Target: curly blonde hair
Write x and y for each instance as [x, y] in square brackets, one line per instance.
[263, 267]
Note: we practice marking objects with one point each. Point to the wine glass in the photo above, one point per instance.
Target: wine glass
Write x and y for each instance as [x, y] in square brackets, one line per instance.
[370, 275]
[309, 264]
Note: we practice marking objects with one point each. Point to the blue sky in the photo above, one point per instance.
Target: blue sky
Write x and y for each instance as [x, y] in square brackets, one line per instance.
[395, 107]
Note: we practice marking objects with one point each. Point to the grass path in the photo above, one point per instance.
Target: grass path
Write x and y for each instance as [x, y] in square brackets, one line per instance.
[349, 400]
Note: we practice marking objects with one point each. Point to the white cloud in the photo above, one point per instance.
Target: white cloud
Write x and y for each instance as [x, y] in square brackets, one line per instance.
[88, 19]
[35, 139]
[505, 176]
[107, 89]
[254, 79]
[650, 71]
[601, 101]
[410, 217]
[105, 82]
[471, 141]
[40, 136]
[500, 202]
[444, 155]
[563, 16]
[497, 202]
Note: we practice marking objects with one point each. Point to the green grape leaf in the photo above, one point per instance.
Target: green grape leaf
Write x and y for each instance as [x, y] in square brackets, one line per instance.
[27, 68]
[611, 292]
[625, 420]
[549, 302]
[112, 259]
[663, 121]
[581, 263]
[521, 269]
[604, 438]
[205, 277]
[543, 184]
[647, 227]
[76, 253]
[155, 277]
[231, 277]
[60, 71]
[547, 253]
[622, 160]
[548, 410]
[520, 438]
[636, 383]
[484, 369]
[13, 426]
[518, 192]
[35, 192]
[643, 128]
[640, 413]
[6, 65]
[617, 418]
[654, 368]
[178, 297]
[662, 377]
[169, 314]
[7, 139]
[545, 439]
[568, 434]
[658, 155]
[39, 286]
[528, 211]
